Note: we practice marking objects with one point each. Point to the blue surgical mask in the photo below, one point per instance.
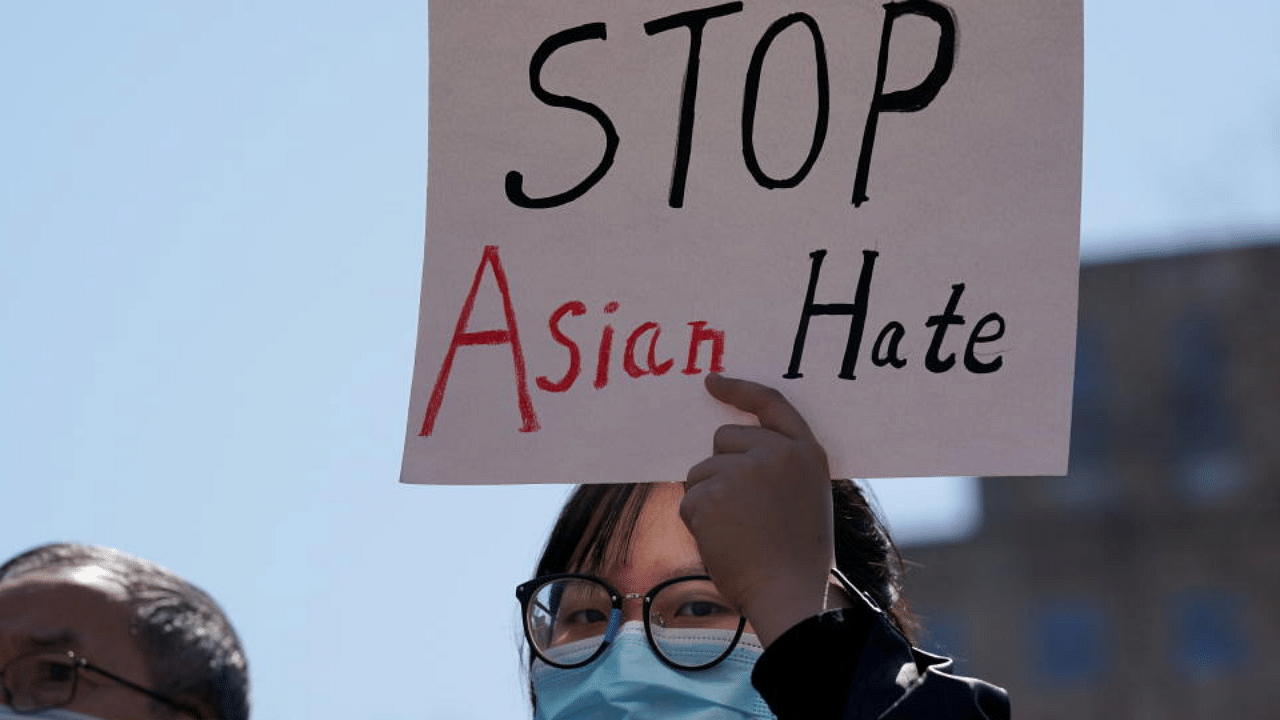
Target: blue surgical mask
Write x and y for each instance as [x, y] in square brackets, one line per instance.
[8, 713]
[629, 682]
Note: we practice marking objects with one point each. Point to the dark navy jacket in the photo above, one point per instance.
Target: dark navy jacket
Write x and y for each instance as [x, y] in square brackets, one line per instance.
[852, 664]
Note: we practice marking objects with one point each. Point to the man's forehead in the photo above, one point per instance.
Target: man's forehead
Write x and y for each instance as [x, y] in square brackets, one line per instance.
[76, 579]
[61, 605]
[71, 608]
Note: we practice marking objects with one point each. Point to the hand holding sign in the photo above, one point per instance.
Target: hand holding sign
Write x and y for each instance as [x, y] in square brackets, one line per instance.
[760, 510]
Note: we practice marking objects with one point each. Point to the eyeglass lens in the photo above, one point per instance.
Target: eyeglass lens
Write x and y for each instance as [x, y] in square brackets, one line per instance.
[690, 624]
[36, 682]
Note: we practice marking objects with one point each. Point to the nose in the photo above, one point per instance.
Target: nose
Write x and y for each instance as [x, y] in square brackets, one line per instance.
[633, 607]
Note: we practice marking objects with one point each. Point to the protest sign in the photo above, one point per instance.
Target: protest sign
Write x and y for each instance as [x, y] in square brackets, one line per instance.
[872, 207]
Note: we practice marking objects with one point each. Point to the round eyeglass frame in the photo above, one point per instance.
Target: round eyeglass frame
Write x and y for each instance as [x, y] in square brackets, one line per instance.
[77, 663]
[526, 591]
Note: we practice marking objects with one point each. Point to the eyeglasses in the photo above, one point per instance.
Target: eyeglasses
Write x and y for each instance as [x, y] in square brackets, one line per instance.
[46, 680]
[570, 619]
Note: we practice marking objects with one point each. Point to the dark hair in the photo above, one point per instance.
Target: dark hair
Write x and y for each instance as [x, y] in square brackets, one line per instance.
[597, 521]
[193, 652]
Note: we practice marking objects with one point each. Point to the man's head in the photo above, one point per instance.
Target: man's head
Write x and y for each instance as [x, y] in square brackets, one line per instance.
[153, 643]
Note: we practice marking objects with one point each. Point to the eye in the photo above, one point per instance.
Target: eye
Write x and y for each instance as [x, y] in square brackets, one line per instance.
[701, 608]
[585, 617]
[59, 672]
[49, 671]
[579, 623]
[581, 603]
[692, 603]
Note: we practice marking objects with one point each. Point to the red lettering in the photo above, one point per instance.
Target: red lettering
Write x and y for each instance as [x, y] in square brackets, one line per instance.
[462, 337]
[629, 358]
[574, 308]
[701, 333]
[606, 349]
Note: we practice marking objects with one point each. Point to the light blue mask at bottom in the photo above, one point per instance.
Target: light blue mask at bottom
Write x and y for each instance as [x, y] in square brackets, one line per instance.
[629, 682]
[8, 713]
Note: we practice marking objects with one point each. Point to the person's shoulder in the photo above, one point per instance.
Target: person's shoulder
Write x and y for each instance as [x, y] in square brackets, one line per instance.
[932, 689]
[854, 664]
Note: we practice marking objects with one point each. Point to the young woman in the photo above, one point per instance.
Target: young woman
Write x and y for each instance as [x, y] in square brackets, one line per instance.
[759, 588]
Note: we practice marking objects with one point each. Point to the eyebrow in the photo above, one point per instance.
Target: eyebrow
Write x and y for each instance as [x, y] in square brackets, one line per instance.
[691, 569]
[54, 639]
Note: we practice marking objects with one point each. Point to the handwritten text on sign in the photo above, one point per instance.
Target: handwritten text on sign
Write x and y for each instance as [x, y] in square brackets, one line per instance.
[625, 192]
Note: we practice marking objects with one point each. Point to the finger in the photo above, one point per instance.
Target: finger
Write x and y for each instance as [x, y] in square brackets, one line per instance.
[710, 467]
[743, 438]
[773, 409]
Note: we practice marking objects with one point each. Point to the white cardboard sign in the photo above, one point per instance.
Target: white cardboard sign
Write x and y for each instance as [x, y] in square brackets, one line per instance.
[872, 207]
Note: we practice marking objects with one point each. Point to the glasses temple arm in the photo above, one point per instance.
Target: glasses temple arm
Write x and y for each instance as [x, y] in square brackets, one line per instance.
[86, 665]
[854, 592]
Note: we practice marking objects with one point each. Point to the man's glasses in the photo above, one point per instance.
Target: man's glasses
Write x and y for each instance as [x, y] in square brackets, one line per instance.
[46, 680]
[570, 619]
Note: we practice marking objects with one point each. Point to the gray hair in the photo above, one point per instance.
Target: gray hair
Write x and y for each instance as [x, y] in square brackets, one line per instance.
[193, 652]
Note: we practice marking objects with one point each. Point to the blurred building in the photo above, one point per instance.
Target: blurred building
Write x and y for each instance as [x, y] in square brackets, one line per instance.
[1146, 584]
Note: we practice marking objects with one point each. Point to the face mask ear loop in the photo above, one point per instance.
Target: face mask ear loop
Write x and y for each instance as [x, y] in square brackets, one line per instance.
[615, 622]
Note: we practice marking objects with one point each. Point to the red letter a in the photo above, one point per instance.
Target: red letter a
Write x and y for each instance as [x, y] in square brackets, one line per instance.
[461, 336]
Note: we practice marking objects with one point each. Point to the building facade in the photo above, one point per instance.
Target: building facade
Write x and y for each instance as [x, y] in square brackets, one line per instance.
[1146, 584]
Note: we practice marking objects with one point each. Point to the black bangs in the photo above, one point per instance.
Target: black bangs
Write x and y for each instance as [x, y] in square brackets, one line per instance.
[594, 528]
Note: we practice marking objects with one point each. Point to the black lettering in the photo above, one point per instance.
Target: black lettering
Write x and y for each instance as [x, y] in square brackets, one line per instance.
[695, 20]
[857, 312]
[912, 99]
[881, 354]
[971, 361]
[515, 180]
[751, 97]
[941, 322]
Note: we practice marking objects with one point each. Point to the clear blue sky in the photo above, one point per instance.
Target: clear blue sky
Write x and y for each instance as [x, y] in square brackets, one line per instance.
[210, 246]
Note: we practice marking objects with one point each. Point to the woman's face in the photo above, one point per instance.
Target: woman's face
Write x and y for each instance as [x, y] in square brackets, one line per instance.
[690, 627]
[661, 549]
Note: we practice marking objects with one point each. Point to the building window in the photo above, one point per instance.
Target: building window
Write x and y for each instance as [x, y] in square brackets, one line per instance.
[1206, 632]
[1068, 642]
[1089, 482]
[1207, 464]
